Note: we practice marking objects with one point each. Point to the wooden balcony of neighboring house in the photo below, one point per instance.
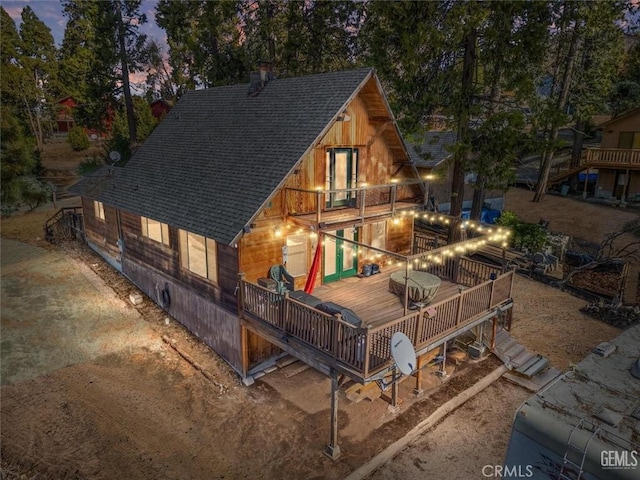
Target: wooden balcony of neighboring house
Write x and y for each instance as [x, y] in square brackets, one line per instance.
[336, 208]
[470, 293]
[615, 158]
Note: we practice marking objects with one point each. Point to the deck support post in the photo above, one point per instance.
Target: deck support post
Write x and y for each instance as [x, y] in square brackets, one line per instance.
[480, 338]
[623, 199]
[418, 390]
[443, 366]
[586, 183]
[494, 331]
[333, 450]
[244, 334]
[394, 406]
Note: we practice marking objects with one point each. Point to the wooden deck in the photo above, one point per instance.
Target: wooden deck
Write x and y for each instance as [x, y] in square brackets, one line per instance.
[370, 298]
[328, 342]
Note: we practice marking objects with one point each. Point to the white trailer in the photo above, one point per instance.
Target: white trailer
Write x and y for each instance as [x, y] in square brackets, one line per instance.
[586, 424]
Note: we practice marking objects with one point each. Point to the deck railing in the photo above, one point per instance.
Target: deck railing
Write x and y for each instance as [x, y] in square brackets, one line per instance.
[618, 156]
[366, 351]
[65, 224]
[301, 201]
[594, 158]
[467, 272]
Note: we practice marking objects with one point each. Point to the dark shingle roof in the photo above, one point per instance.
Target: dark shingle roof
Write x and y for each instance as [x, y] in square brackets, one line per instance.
[434, 149]
[219, 154]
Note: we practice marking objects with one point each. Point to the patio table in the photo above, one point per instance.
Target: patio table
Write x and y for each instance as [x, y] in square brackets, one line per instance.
[422, 286]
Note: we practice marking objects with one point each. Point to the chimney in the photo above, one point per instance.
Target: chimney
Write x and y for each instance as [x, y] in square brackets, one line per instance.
[258, 80]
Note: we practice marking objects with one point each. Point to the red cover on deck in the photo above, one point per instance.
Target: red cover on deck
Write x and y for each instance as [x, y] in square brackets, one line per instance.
[315, 267]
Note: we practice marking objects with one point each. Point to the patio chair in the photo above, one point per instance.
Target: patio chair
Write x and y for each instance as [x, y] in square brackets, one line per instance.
[284, 280]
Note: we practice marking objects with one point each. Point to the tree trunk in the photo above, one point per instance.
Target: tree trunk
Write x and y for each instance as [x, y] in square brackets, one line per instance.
[457, 182]
[547, 157]
[578, 139]
[34, 124]
[479, 194]
[128, 101]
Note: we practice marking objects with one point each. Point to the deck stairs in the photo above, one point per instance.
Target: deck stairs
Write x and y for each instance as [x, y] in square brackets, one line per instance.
[528, 369]
[563, 172]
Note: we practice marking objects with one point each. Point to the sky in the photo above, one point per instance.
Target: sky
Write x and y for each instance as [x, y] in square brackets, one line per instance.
[50, 12]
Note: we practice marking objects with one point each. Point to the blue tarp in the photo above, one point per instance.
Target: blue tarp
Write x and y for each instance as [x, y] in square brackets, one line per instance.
[488, 215]
[592, 177]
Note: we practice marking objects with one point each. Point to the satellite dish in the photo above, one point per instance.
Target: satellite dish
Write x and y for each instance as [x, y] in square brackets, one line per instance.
[114, 156]
[403, 353]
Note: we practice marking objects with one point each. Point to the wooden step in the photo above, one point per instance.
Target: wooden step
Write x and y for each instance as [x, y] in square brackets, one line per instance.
[521, 358]
[529, 362]
[536, 382]
[514, 351]
[533, 366]
[537, 367]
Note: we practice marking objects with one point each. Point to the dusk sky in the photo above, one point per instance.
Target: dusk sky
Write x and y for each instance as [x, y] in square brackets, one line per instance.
[50, 12]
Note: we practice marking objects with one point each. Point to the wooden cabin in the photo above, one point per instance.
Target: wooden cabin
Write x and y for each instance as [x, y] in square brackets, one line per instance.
[310, 173]
[615, 164]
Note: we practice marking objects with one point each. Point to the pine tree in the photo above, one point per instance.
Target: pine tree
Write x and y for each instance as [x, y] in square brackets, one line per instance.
[583, 59]
[38, 62]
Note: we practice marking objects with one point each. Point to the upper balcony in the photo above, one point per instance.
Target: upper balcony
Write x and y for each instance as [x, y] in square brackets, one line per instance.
[333, 208]
[617, 158]
[611, 157]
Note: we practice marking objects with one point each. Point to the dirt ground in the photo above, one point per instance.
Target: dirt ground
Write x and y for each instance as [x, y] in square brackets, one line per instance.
[147, 413]
[581, 220]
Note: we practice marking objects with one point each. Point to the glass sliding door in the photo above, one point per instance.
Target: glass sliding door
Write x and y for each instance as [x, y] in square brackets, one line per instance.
[341, 173]
[340, 257]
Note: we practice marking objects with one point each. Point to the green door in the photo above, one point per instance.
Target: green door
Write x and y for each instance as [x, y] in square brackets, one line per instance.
[341, 166]
[340, 257]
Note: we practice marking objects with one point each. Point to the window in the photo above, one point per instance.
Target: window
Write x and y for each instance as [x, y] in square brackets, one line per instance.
[98, 209]
[198, 255]
[379, 235]
[155, 230]
[297, 254]
[629, 140]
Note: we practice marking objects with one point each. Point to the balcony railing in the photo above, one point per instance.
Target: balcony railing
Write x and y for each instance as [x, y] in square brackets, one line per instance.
[369, 200]
[614, 156]
[365, 351]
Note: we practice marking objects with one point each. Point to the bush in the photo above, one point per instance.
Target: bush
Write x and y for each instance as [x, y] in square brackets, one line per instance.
[34, 193]
[89, 164]
[526, 236]
[78, 139]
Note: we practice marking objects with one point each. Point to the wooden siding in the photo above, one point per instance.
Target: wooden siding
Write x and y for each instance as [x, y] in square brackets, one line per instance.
[206, 309]
[399, 235]
[167, 259]
[102, 234]
[611, 131]
[215, 326]
[261, 249]
[376, 161]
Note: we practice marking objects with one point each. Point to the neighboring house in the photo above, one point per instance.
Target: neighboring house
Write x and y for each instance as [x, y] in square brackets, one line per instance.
[616, 161]
[65, 120]
[434, 158]
[310, 173]
[159, 108]
[64, 114]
